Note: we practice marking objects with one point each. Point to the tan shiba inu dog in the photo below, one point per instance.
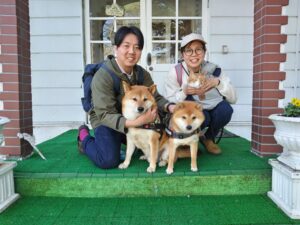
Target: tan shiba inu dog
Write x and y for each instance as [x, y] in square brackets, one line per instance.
[184, 129]
[136, 101]
[196, 80]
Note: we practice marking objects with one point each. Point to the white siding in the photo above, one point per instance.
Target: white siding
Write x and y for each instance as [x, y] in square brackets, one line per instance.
[231, 24]
[56, 61]
[291, 84]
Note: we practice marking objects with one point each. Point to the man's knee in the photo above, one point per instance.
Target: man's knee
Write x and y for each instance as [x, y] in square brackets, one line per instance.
[108, 162]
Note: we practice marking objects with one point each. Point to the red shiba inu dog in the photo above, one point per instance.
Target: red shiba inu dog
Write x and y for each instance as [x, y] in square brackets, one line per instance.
[149, 138]
[184, 129]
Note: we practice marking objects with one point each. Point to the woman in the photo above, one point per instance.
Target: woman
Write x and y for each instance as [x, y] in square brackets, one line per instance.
[218, 91]
[106, 119]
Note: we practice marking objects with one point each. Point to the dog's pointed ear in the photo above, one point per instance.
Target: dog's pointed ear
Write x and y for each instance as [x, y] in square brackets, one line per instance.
[179, 105]
[126, 86]
[152, 89]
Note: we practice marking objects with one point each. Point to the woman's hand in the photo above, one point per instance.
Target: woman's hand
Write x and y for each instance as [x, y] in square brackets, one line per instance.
[208, 84]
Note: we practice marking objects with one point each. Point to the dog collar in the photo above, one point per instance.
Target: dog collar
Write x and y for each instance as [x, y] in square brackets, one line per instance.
[178, 135]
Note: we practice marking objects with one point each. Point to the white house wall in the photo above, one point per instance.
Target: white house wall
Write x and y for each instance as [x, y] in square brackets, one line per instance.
[291, 85]
[56, 65]
[231, 24]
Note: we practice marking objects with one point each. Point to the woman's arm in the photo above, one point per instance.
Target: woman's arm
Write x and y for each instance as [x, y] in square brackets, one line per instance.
[173, 91]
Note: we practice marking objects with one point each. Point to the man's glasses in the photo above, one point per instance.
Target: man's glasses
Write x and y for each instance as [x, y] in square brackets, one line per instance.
[190, 52]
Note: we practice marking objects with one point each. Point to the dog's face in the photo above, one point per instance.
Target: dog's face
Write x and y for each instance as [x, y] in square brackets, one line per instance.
[137, 100]
[187, 117]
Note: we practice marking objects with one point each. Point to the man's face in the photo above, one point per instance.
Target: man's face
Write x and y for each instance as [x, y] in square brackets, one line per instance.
[128, 53]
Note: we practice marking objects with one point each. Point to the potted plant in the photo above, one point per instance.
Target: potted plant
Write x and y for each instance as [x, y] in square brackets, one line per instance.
[286, 168]
[287, 133]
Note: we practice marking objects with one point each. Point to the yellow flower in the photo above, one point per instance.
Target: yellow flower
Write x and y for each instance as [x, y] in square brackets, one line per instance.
[293, 108]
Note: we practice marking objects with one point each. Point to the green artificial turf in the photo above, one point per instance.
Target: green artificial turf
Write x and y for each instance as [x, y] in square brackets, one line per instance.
[197, 210]
[66, 173]
[63, 160]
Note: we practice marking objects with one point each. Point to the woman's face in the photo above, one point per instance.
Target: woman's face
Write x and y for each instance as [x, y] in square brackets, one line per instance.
[128, 53]
[193, 55]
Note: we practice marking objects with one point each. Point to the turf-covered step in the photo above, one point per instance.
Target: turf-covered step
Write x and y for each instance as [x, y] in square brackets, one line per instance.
[144, 186]
[66, 173]
[208, 210]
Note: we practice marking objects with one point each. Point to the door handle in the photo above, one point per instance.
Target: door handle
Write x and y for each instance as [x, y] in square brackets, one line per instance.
[149, 59]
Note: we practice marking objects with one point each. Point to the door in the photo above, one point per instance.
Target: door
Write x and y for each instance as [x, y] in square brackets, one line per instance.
[163, 23]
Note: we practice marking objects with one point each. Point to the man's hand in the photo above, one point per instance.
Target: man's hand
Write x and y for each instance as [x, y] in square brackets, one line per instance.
[145, 118]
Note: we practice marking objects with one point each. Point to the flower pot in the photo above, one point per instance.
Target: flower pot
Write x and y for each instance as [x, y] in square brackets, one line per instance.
[287, 134]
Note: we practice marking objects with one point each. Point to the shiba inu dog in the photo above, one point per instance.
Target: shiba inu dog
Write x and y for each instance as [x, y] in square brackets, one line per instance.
[183, 129]
[136, 101]
[196, 80]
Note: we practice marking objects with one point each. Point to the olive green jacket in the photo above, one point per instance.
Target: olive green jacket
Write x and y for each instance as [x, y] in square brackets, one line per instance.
[107, 104]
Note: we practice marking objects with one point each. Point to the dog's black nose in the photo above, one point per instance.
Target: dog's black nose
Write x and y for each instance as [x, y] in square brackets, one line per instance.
[140, 109]
[189, 127]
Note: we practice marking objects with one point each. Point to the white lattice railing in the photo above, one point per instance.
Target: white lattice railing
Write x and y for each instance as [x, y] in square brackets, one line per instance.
[7, 188]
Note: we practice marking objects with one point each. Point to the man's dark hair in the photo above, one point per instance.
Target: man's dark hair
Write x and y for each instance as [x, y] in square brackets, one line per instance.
[124, 31]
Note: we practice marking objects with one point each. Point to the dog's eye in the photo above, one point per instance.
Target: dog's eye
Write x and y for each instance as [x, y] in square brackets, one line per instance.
[194, 117]
[134, 99]
[145, 99]
[184, 117]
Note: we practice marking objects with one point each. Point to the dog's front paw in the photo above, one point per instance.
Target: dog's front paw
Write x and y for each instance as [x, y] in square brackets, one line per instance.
[123, 166]
[194, 169]
[150, 169]
[143, 157]
[169, 171]
[162, 163]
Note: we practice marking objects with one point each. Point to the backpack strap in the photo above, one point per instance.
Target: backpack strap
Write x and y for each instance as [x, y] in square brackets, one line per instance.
[116, 79]
[140, 74]
[217, 72]
[178, 69]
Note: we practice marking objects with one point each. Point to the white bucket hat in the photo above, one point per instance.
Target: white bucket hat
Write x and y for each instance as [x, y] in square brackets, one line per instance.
[192, 37]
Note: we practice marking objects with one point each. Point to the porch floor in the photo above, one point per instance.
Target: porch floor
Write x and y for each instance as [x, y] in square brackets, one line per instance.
[68, 189]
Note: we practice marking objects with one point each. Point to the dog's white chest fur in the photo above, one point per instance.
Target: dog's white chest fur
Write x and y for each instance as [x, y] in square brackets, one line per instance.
[140, 138]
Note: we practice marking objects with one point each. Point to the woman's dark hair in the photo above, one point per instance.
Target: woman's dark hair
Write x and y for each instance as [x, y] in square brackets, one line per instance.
[124, 31]
[203, 46]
